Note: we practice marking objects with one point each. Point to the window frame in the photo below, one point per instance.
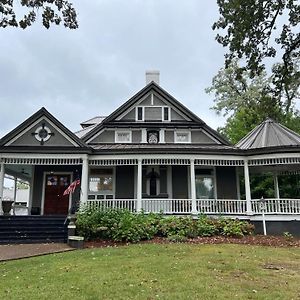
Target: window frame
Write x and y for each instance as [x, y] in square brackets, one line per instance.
[163, 114]
[137, 113]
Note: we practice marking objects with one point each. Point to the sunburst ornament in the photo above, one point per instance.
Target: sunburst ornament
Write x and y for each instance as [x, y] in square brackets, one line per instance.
[42, 134]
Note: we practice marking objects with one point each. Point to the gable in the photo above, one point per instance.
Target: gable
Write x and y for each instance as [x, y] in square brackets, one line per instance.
[152, 105]
[41, 130]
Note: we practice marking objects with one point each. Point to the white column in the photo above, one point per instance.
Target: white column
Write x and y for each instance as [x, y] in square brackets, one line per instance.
[193, 187]
[139, 186]
[2, 173]
[162, 136]
[276, 186]
[247, 187]
[15, 193]
[84, 180]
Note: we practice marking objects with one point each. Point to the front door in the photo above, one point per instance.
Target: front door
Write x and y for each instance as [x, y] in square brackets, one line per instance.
[55, 203]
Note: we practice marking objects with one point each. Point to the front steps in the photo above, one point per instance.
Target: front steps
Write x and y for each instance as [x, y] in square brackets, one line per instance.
[32, 229]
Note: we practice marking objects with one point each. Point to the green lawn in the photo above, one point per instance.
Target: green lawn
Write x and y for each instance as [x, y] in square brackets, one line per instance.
[149, 271]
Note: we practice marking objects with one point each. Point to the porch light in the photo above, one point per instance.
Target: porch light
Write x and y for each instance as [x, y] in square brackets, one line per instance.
[263, 206]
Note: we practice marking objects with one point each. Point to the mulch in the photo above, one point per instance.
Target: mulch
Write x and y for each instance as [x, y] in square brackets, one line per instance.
[260, 240]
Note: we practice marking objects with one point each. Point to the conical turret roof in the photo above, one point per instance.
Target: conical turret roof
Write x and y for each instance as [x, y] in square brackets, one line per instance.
[269, 134]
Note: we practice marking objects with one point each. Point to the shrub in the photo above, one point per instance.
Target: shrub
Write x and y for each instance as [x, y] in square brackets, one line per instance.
[123, 225]
[177, 238]
[178, 226]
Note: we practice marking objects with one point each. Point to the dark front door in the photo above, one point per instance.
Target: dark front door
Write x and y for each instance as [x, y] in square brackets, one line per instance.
[55, 203]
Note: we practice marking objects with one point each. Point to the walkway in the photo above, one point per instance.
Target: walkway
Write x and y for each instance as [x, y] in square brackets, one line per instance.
[16, 251]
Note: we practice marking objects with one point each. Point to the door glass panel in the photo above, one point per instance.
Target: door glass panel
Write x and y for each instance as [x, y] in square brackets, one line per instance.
[51, 180]
[204, 187]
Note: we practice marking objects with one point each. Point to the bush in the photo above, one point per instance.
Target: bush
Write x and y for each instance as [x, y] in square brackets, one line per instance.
[123, 225]
[178, 226]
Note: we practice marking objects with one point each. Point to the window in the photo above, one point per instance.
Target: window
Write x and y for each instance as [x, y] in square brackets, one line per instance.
[166, 114]
[139, 114]
[123, 137]
[182, 137]
[101, 180]
[204, 184]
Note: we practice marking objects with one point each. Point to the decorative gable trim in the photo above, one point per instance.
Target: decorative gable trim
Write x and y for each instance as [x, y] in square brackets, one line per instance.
[32, 121]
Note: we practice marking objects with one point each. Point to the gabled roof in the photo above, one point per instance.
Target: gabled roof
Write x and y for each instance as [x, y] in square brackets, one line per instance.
[269, 134]
[36, 116]
[152, 86]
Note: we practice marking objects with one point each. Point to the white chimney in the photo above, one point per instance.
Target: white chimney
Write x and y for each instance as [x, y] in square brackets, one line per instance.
[152, 76]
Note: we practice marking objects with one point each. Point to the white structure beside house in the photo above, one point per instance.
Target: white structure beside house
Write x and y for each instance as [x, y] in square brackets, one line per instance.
[151, 154]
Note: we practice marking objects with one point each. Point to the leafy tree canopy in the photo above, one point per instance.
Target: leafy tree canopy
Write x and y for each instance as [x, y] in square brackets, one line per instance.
[247, 102]
[258, 31]
[52, 11]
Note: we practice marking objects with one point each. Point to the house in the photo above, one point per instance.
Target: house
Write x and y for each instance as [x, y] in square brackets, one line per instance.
[151, 154]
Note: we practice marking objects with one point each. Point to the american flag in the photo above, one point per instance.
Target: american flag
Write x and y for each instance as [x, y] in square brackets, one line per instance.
[71, 188]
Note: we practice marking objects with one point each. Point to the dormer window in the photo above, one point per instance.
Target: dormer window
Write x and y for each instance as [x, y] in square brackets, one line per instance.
[140, 114]
[123, 137]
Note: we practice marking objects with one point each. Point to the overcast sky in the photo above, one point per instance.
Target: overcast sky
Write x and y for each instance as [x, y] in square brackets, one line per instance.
[91, 71]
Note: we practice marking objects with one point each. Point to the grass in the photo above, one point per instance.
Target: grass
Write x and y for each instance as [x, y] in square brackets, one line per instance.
[151, 271]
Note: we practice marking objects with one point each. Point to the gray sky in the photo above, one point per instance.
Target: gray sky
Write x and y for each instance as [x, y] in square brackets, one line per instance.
[93, 70]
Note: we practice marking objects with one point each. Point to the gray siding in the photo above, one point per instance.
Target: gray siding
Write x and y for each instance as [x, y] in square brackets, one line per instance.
[226, 183]
[201, 138]
[130, 116]
[169, 136]
[146, 102]
[163, 180]
[153, 114]
[107, 136]
[136, 136]
[176, 117]
[180, 182]
[158, 102]
[27, 139]
[125, 182]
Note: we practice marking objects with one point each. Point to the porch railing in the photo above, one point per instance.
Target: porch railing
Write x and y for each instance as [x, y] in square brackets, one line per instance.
[205, 206]
[277, 206]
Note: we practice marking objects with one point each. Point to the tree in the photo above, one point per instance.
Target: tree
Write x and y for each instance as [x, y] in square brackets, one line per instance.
[247, 102]
[258, 31]
[53, 12]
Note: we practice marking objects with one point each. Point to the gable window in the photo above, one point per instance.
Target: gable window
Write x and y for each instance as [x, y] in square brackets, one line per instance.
[182, 137]
[139, 114]
[166, 114]
[123, 137]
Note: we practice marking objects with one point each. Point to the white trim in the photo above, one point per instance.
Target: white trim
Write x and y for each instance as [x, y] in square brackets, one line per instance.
[162, 136]
[34, 124]
[152, 99]
[45, 173]
[187, 132]
[143, 113]
[129, 132]
[37, 136]
[163, 114]
[31, 184]
[144, 135]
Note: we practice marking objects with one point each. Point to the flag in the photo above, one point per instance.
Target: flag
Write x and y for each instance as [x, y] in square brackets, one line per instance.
[71, 188]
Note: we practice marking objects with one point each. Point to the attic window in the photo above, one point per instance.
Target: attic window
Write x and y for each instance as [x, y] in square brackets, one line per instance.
[182, 137]
[123, 137]
[139, 114]
[166, 114]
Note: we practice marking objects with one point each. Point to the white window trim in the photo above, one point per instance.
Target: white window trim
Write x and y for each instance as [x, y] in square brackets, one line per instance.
[143, 113]
[182, 132]
[162, 114]
[123, 131]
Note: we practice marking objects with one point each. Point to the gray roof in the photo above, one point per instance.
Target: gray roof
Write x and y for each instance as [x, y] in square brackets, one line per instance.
[269, 134]
[92, 121]
[81, 133]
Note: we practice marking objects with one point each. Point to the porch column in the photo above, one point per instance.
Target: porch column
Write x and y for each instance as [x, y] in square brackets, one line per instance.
[2, 173]
[276, 186]
[139, 186]
[15, 193]
[193, 186]
[84, 180]
[247, 188]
